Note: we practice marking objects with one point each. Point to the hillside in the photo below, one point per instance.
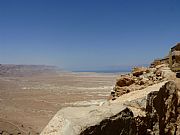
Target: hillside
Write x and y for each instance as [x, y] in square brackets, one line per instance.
[143, 102]
[10, 70]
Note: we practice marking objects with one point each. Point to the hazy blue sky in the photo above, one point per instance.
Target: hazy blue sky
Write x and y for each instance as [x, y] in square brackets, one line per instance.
[87, 34]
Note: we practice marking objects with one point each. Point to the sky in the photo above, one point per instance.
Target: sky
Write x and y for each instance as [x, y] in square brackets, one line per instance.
[87, 34]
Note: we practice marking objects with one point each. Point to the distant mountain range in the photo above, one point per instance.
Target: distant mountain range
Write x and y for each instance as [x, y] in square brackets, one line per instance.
[7, 70]
[12, 70]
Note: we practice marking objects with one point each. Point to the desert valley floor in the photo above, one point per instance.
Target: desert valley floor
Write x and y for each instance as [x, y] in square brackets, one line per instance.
[28, 103]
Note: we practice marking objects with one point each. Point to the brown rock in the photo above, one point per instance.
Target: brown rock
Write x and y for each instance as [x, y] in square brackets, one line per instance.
[125, 81]
[162, 110]
[137, 71]
[158, 73]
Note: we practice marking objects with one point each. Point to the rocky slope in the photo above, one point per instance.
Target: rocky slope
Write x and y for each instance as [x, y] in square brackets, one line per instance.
[143, 102]
[157, 114]
[82, 120]
[161, 117]
[140, 78]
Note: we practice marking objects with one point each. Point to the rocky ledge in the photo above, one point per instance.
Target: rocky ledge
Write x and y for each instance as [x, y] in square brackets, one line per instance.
[140, 78]
[142, 113]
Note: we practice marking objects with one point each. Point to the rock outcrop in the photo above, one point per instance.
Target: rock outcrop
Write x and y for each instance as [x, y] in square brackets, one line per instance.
[175, 56]
[161, 115]
[125, 81]
[137, 71]
[122, 123]
[157, 62]
[124, 115]
[140, 78]
[161, 110]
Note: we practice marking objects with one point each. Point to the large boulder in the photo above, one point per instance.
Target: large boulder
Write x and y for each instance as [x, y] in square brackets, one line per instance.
[137, 71]
[122, 123]
[162, 111]
[124, 81]
[111, 119]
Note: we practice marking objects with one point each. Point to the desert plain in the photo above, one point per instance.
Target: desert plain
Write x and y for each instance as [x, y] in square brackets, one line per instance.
[28, 102]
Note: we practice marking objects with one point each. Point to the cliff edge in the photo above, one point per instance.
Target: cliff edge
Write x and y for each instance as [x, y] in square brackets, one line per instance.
[143, 102]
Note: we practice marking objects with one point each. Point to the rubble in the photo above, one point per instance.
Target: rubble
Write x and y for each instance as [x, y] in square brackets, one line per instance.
[140, 78]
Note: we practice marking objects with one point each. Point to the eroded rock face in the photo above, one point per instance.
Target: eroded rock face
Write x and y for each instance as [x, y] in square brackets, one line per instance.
[151, 113]
[162, 110]
[120, 124]
[166, 104]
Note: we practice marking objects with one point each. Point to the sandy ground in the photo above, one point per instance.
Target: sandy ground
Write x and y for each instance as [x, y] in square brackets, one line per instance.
[28, 103]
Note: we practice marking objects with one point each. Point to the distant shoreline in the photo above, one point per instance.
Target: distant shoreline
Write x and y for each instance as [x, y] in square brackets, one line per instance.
[103, 71]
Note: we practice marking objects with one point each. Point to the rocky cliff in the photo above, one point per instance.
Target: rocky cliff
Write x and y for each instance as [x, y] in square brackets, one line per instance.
[162, 116]
[157, 114]
[140, 78]
[143, 102]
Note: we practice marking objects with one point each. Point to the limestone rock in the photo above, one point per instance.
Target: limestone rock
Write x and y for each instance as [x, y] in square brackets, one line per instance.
[75, 120]
[158, 62]
[162, 110]
[167, 73]
[161, 66]
[122, 123]
[139, 103]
